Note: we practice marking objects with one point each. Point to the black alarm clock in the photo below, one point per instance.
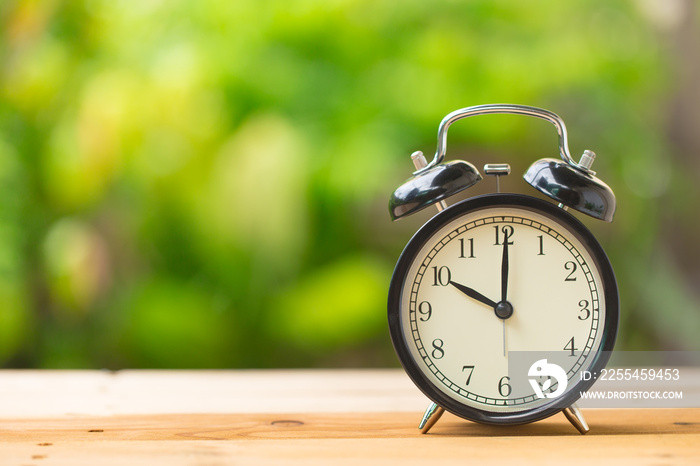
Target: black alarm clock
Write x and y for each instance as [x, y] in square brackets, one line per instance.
[500, 274]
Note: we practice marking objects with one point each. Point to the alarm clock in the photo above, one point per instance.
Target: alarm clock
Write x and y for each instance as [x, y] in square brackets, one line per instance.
[499, 275]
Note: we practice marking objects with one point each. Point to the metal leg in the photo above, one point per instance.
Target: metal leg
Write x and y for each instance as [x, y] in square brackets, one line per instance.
[431, 416]
[573, 414]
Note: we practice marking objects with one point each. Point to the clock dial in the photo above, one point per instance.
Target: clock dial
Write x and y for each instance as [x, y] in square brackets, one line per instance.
[499, 274]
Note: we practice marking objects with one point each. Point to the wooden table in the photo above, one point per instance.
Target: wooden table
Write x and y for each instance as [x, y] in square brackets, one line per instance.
[305, 417]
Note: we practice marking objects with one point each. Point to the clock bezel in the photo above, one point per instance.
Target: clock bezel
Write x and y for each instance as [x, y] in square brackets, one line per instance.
[609, 292]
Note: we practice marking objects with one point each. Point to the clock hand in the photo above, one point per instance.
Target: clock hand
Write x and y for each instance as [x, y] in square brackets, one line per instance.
[505, 305]
[504, 338]
[504, 271]
[474, 294]
[504, 264]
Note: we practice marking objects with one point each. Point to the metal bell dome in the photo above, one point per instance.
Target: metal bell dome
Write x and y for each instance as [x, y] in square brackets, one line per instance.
[573, 187]
[432, 185]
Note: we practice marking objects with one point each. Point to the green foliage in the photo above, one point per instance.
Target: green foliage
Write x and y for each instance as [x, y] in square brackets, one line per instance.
[204, 184]
[172, 324]
[334, 306]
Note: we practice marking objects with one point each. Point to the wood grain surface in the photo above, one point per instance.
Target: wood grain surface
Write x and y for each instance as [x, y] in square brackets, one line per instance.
[298, 417]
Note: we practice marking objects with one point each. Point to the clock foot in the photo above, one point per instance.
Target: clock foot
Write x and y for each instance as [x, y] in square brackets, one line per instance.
[573, 414]
[431, 416]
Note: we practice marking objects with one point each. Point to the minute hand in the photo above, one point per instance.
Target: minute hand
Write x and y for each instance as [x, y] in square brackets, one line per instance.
[474, 294]
[504, 271]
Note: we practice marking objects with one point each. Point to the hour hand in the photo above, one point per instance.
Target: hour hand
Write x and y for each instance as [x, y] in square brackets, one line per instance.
[472, 293]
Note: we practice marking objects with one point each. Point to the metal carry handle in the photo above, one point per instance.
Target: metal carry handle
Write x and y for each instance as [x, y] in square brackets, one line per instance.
[507, 109]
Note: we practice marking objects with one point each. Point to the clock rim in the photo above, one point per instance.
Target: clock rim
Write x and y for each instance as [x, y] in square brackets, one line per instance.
[600, 260]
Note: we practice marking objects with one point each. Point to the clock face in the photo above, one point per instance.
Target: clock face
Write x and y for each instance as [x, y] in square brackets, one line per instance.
[495, 275]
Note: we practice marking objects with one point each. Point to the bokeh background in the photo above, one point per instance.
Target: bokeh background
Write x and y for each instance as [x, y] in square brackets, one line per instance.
[205, 183]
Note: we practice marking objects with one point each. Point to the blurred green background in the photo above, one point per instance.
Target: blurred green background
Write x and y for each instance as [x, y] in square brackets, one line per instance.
[205, 183]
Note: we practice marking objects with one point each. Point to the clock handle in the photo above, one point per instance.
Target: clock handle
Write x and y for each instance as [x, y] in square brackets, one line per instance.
[514, 109]
[570, 183]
